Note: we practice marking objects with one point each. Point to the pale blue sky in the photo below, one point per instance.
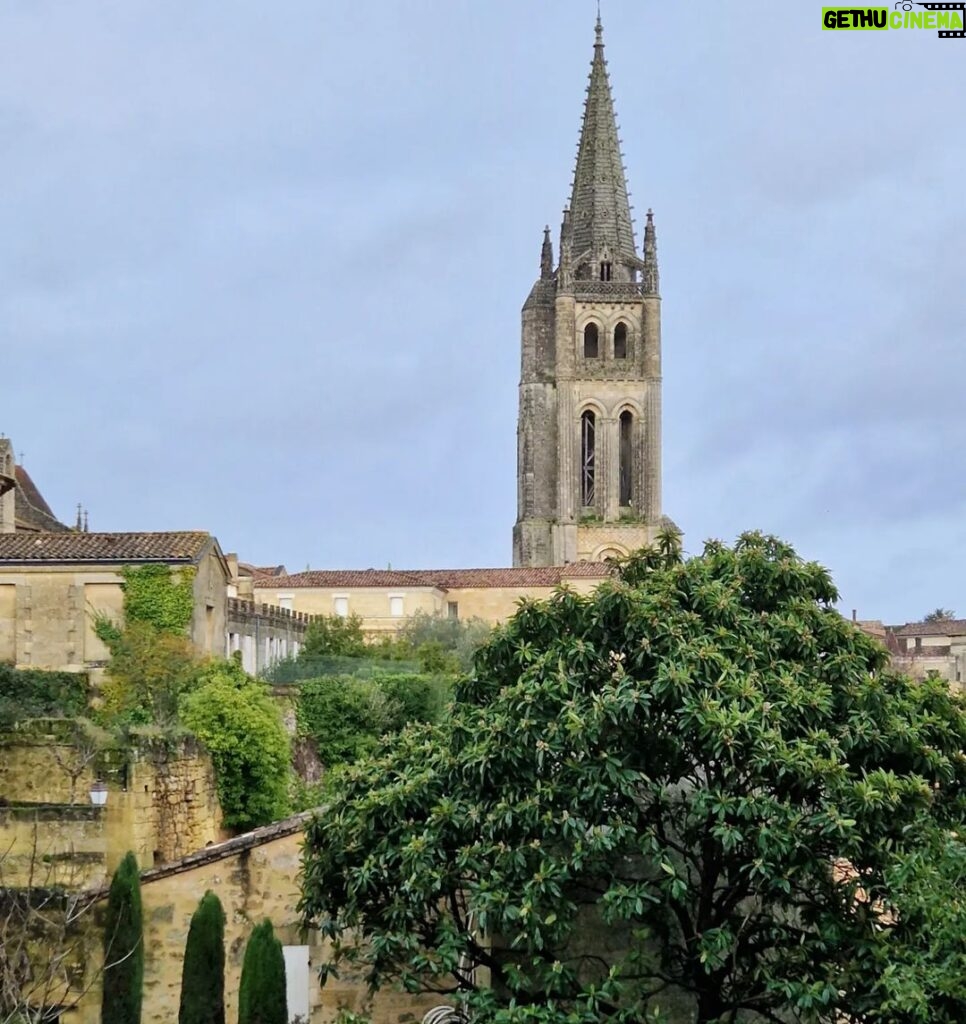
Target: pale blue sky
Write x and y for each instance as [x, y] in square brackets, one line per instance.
[261, 268]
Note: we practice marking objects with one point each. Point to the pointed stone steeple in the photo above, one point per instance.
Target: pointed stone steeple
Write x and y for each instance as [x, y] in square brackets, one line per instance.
[599, 206]
[546, 256]
[651, 276]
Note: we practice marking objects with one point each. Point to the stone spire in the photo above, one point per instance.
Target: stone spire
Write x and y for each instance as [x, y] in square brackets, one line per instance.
[546, 256]
[651, 277]
[599, 206]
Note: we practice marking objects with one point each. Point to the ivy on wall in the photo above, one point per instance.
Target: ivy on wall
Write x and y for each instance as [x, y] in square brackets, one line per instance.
[159, 596]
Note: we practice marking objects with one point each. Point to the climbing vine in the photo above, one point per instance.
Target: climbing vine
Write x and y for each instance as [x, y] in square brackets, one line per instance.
[159, 596]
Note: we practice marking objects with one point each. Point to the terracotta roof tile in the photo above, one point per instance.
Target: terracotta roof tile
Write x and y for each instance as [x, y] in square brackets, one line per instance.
[102, 547]
[441, 579]
[947, 627]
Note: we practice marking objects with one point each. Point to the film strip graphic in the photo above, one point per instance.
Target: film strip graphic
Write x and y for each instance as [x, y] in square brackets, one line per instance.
[945, 33]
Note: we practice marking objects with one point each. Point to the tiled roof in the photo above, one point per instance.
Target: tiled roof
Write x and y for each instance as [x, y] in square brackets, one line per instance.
[102, 547]
[257, 571]
[30, 510]
[947, 627]
[441, 579]
[268, 570]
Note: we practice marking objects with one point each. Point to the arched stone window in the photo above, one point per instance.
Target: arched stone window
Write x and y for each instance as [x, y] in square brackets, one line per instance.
[591, 341]
[620, 341]
[626, 459]
[588, 458]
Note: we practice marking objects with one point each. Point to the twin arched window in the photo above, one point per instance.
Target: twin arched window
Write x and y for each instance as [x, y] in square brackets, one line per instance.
[588, 459]
[592, 341]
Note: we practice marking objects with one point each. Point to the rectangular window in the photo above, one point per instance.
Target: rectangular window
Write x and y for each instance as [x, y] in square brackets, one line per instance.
[340, 605]
[453, 609]
[297, 980]
[285, 601]
[396, 606]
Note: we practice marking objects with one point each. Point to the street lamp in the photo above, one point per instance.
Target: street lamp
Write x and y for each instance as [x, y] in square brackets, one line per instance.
[98, 793]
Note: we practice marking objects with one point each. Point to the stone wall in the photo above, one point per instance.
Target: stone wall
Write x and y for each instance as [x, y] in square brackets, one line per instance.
[255, 876]
[162, 801]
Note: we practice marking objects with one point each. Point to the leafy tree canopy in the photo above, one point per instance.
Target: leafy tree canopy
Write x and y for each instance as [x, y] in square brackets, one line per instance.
[329, 635]
[940, 615]
[698, 790]
[148, 674]
[237, 720]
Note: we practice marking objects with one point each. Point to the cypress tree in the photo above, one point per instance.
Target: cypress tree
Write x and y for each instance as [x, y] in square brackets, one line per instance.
[203, 972]
[261, 995]
[123, 947]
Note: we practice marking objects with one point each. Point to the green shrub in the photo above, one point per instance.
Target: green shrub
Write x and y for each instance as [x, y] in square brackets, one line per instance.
[261, 994]
[123, 947]
[30, 693]
[203, 973]
[237, 720]
[296, 670]
[346, 715]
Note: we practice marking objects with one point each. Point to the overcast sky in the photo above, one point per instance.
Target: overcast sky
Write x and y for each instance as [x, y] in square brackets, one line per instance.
[261, 269]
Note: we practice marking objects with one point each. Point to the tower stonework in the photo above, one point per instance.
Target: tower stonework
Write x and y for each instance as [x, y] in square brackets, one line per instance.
[589, 428]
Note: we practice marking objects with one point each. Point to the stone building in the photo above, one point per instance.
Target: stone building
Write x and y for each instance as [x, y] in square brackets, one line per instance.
[22, 506]
[52, 585]
[589, 428]
[922, 648]
[385, 599]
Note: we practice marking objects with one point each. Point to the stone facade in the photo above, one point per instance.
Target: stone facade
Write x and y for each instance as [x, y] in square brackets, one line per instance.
[589, 428]
[264, 634]
[386, 599]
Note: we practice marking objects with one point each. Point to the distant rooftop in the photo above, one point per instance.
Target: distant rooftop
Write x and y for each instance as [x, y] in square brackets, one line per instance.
[441, 579]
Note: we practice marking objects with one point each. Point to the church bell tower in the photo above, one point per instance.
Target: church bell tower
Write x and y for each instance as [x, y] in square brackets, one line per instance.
[589, 427]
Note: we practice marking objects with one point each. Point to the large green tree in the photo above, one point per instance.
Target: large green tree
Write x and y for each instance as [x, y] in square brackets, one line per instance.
[203, 972]
[261, 993]
[123, 947]
[699, 790]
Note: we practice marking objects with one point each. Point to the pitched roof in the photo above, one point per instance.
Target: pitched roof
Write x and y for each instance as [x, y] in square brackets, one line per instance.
[441, 579]
[30, 510]
[942, 627]
[599, 206]
[102, 547]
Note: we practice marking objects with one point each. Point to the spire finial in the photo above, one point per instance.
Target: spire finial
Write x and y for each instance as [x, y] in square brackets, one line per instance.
[651, 277]
[599, 28]
[79, 523]
[546, 255]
